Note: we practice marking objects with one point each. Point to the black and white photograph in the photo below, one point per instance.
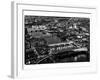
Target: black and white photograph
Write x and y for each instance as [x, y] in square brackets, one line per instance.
[54, 39]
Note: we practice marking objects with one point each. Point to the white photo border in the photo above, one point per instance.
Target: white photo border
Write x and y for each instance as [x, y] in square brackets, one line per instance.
[19, 69]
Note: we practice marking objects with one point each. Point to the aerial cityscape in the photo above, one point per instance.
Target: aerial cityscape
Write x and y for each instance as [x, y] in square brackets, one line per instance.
[54, 39]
